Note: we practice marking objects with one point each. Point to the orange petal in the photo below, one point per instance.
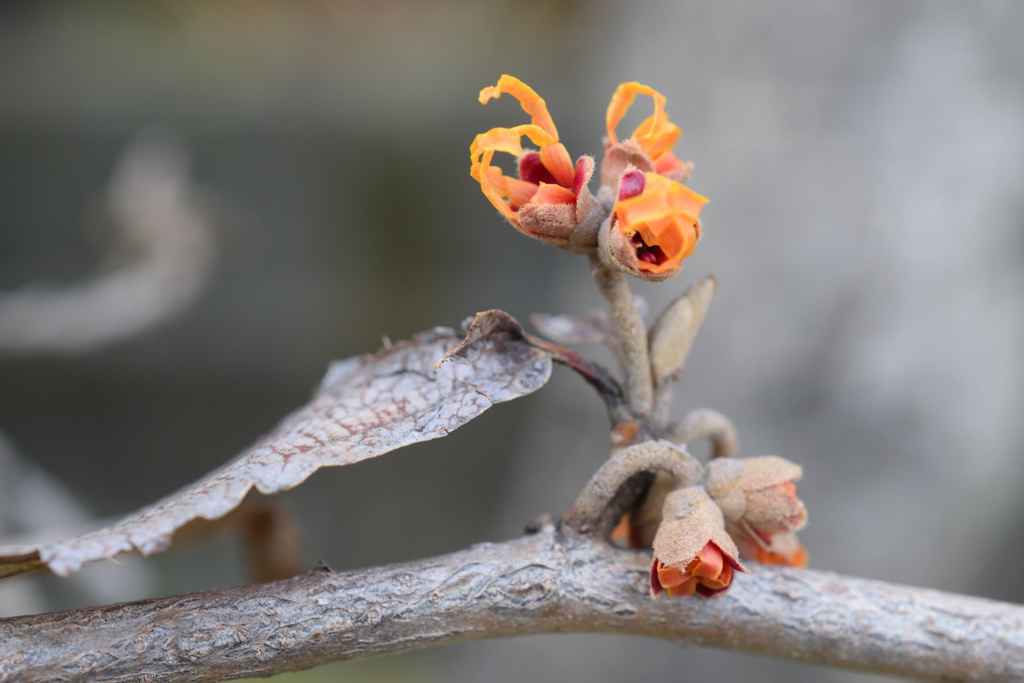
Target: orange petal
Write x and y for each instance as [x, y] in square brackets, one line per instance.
[798, 559]
[557, 160]
[623, 99]
[723, 580]
[508, 139]
[518, 191]
[481, 152]
[670, 576]
[481, 171]
[620, 534]
[689, 587]
[553, 194]
[531, 102]
[656, 135]
[665, 216]
[661, 198]
[667, 162]
[656, 138]
[709, 562]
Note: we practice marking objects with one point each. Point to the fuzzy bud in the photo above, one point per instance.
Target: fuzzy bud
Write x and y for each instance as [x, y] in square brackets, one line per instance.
[693, 553]
[758, 499]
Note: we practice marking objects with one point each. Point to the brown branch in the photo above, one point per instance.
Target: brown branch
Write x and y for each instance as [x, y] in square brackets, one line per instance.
[542, 583]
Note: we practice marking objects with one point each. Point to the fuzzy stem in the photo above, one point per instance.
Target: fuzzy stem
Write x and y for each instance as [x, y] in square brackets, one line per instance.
[710, 424]
[632, 332]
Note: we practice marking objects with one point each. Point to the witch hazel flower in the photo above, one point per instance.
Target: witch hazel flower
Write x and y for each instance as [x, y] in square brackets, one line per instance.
[550, 200]
[654, 225]
[757, 497]
[654, 221]
[693, 553]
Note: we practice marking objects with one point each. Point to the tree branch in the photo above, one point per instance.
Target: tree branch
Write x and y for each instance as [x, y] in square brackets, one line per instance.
[542, 583]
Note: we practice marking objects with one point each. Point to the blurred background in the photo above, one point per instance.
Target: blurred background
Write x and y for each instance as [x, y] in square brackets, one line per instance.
[267, 186]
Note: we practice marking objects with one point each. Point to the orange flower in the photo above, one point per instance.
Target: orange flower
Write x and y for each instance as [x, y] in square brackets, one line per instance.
[653, 227]
[692, 551]
[550, 199]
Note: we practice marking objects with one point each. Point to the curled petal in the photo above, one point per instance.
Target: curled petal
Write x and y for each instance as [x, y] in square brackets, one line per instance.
[501, 140]
[531, 102]
[517, 191]
[656, 134]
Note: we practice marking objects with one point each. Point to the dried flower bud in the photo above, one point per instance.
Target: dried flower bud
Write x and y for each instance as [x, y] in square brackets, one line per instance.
[653, 226]
[550, 201]
[692, 551]
[758, 499]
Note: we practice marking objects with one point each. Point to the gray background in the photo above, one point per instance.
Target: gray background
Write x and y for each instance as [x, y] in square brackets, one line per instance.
[864, 162]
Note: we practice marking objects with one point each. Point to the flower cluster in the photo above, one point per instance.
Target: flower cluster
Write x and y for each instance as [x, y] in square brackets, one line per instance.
[747, 509]
[644, 220]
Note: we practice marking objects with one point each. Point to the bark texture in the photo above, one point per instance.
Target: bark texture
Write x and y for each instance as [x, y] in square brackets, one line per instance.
[541, 583]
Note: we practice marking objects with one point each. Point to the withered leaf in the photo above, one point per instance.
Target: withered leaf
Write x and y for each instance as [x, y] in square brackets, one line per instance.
[365, 407]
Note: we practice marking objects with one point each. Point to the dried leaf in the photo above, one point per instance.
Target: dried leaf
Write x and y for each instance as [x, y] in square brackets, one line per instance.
[365, 407]
[672, 336]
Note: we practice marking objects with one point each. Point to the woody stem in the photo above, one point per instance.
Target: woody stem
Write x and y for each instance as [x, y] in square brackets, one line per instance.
[632, 333]
[606, 495]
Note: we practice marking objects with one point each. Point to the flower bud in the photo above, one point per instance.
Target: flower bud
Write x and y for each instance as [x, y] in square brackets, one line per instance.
[758, 500]
[653, 226]
[692, 551]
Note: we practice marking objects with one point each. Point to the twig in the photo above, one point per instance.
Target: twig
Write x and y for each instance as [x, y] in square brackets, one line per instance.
[709, 424]
[609, 494]
[536, 584]
[593, 373]
[632, 333]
